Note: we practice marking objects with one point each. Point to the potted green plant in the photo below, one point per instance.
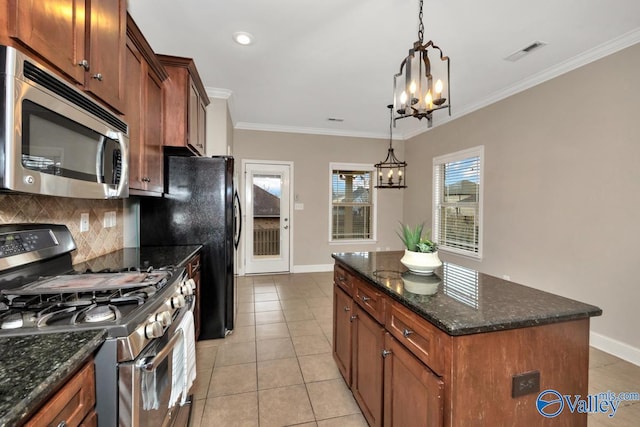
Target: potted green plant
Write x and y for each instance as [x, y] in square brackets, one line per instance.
[421, 253]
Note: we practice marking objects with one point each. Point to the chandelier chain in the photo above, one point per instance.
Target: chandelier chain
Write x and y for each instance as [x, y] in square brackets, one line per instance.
[421, 25]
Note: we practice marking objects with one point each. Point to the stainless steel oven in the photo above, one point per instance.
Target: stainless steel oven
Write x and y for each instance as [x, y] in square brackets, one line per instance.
[148, 316]
[146, 383]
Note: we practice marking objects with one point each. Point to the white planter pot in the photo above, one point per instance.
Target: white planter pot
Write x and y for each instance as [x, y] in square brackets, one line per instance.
[421, 263]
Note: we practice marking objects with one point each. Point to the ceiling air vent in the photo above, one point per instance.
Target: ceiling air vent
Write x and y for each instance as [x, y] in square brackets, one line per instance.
[519, 54]
[335, 119]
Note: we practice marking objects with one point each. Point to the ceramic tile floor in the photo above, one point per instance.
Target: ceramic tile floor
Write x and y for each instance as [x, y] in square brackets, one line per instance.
[276, 369]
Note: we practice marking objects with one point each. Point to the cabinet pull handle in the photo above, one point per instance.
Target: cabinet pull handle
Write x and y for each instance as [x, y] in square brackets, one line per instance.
[386, 353]
[353, 317]
[365, 298]
[84, 64]
[98, 77]
[347, 308]
[342, 279]
[62, 423]
[406, 332]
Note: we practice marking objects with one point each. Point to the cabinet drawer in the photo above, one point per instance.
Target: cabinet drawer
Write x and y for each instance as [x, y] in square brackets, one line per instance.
[372, 301]
[424, 340]
[343, 279]
[71, 403]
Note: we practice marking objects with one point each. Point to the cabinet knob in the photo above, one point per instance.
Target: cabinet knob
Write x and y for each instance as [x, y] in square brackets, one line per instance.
[62, 423]
[353, 317]
[386, 353]
[407, 332]
[365, 298]
[347, 308]
[97, 77]
[342, 279]
[84, 64]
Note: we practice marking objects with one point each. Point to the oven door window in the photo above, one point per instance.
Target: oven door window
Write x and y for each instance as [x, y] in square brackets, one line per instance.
[55, 145]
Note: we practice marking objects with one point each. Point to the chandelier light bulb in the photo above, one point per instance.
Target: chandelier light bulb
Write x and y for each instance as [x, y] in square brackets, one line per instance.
[403, 98]
[439, 86]
[412, 87]
[428, 100]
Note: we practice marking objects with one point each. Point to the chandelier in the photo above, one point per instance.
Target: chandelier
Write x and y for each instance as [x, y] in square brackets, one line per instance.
[422, 85]
[391, 171]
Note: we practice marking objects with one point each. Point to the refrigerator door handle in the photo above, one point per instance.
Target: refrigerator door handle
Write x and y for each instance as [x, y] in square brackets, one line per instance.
[237, 223]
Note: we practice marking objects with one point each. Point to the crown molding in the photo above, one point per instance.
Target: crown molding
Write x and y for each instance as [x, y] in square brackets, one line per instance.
[216, 92]
[305, 130]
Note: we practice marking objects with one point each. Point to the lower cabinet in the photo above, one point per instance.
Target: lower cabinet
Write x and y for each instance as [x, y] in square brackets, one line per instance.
[342, 312]
[73, 404]
[193, 271]
[413, 393]
[366, 380]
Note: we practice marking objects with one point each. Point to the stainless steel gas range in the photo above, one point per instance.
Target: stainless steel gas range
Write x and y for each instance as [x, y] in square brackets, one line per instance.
[145, 366]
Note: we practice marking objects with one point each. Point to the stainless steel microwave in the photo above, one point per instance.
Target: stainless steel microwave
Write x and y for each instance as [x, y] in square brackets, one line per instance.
[54, 139]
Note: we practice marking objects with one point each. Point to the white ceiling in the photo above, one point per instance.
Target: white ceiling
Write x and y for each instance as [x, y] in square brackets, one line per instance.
[315, 59]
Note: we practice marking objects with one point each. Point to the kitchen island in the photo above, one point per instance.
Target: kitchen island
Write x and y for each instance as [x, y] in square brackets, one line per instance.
[478, 351]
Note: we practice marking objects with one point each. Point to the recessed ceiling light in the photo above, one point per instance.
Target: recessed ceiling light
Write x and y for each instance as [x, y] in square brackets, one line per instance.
[243, 38]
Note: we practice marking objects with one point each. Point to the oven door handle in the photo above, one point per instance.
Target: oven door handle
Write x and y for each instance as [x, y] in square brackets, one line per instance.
[158, 358]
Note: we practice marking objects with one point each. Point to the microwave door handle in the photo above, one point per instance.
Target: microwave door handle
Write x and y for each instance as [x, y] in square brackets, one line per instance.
[99, 159]
[124, 163]
[158, 358]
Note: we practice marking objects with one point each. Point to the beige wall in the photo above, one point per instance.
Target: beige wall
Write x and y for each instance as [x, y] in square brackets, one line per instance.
[17, 208]
[219, 138]
[562, 188]
[311, 155]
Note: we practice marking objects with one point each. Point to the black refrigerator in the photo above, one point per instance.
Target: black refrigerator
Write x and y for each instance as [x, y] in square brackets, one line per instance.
[198, 209]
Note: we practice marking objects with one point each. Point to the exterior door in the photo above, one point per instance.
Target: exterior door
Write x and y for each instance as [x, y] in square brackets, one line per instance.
[268, 221]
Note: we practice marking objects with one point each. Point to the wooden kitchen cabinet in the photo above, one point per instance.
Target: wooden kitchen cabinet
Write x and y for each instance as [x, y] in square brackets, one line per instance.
[342, 331]
[185, 101]
[143, 112]
[84, 39]
[194, 271]
[73, 404]
[413, 393]
[367, 371]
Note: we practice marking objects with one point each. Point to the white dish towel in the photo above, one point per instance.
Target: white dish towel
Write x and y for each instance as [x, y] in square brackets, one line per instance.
[184, 361]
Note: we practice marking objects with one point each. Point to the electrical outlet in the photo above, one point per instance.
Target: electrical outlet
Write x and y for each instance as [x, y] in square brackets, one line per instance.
[109, 220]
[525, 383]
[84, 222]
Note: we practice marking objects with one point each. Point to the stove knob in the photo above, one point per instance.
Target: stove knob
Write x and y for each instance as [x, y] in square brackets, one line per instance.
[178, 301]
[186, 290]
[164, 317]
[191, 283]
[153, 330]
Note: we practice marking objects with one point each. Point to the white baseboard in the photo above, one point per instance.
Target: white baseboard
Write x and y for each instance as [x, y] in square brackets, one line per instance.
[312, 268]
[615, 347]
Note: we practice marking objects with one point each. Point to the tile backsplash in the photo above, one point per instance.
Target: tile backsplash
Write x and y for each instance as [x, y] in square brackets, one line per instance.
[17, 208]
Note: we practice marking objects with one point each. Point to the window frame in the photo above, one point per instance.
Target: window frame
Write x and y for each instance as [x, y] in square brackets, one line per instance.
[438, 162]
[374, 201]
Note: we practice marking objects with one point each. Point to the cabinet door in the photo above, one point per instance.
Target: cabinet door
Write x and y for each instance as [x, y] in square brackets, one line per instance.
[342, 312]
[55, 29]
[413, 393]
[107, 32]
[153, 134]
[202, 126]
[367, 379]
[133, 108]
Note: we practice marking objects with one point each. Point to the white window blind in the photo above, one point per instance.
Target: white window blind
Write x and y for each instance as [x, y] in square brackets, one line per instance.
[457, 197]
[351, 203]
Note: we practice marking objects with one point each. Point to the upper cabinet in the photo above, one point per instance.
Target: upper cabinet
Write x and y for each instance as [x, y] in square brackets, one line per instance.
[84, 39]
[143, 112]
[184, 102]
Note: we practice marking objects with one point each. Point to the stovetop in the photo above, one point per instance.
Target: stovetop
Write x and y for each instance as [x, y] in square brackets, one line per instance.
[81, 301]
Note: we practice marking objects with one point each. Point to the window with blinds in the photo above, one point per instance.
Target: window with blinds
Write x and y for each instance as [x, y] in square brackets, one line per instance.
[457, 201]
[352, 202]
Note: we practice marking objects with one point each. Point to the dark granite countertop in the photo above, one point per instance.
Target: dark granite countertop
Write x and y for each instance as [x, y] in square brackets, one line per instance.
[144, 257]
[32, 367]
[466, 301]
